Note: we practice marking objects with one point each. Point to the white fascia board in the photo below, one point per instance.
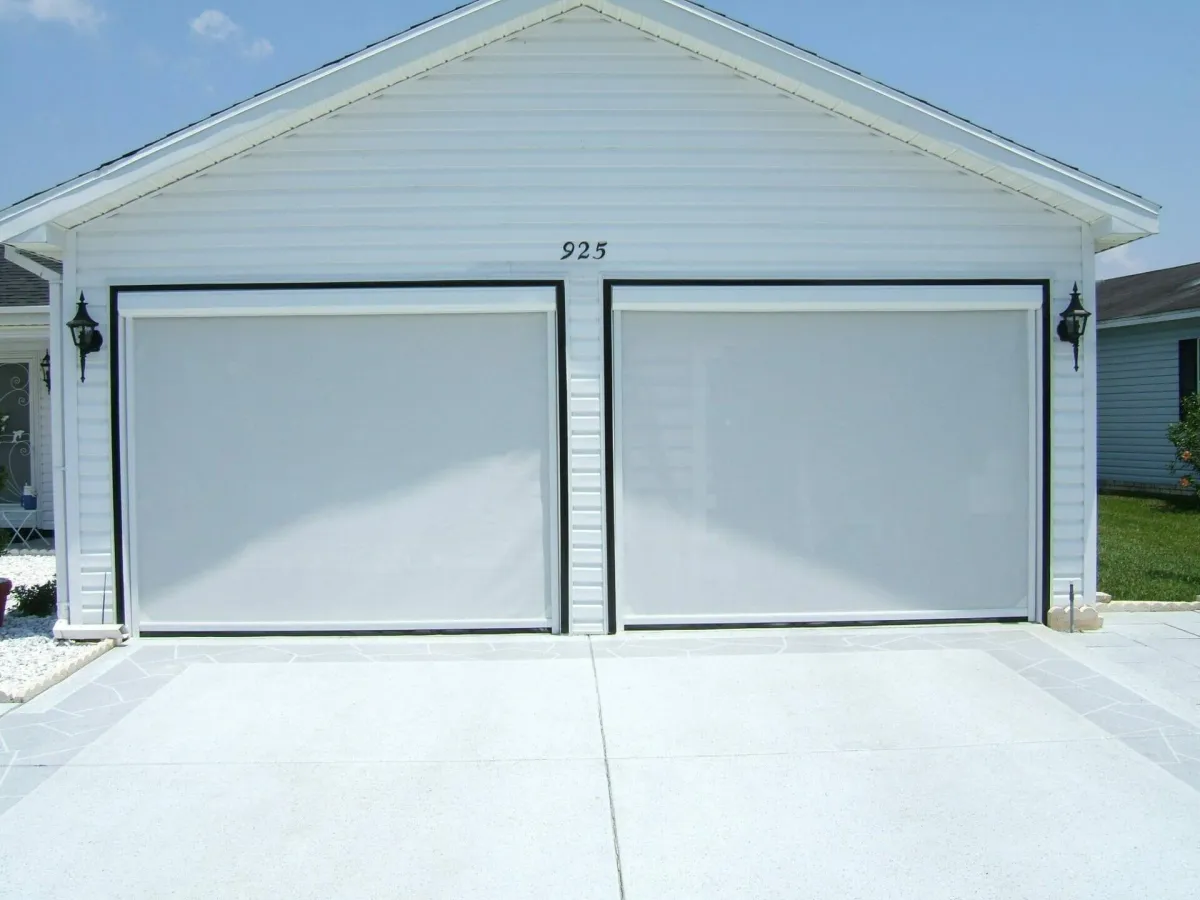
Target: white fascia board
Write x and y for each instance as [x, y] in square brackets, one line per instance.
[47, 239]
[46, 233]
[281, 108]
[1152, 319]
[1113, 241]
[866, 101]
[25, 321]
[16, 257]
[1111, 232]
[473, 26]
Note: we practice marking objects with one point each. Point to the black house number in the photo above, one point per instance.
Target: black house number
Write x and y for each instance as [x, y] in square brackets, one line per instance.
[584, 250]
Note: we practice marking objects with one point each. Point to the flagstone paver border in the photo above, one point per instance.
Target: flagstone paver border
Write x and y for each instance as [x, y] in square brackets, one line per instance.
[70, 667]
[33, 745]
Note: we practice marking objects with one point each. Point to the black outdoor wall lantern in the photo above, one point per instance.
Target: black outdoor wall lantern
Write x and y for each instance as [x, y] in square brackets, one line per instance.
[85, 335]
[45, 364]
[1073, 323]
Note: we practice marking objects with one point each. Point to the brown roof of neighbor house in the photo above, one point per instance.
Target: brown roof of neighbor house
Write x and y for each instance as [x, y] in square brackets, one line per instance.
[1148, 293]
[19, 287]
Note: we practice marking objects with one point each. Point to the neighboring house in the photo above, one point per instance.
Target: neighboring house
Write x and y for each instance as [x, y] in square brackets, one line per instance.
[25, 435]
[1147, 360]
[565, 316]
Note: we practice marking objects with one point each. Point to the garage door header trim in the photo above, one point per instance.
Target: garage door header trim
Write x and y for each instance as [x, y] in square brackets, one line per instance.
[347, 302]
[878, 297]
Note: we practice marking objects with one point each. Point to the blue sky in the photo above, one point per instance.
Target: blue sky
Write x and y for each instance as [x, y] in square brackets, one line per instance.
[1110, 86]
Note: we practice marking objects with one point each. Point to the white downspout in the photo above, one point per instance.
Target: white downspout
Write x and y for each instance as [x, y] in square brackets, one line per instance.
[57, 452]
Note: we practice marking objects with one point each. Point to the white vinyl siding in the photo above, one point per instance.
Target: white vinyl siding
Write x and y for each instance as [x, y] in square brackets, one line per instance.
[1138, 397]
[579, 129]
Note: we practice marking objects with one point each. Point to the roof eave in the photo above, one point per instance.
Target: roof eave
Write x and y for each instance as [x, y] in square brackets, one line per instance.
[839, 89]
[1111, 232]
[867, 101]
[273, 112]
[1150, 319]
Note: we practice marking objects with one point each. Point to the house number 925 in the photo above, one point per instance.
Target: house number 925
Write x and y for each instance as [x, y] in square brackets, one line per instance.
[584, 250]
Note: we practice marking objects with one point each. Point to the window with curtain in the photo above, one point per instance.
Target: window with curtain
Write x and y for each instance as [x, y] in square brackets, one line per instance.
[1189, 364]
[16, 457]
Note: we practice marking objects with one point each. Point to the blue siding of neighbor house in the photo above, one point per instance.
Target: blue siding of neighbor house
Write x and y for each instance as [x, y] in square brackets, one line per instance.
[1137, 398]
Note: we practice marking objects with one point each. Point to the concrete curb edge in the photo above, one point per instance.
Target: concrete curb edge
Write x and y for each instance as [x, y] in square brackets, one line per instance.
[54, 677]
[1148, 606]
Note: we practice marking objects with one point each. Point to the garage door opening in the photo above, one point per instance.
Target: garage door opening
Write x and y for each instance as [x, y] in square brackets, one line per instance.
[816, 453]
[342, 460]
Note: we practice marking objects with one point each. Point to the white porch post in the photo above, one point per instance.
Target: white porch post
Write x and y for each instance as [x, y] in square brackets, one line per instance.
[57, 373]
[66, 441]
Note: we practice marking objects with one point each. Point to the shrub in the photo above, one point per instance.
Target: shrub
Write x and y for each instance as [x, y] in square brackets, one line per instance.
[38, 600]
[1185, 435]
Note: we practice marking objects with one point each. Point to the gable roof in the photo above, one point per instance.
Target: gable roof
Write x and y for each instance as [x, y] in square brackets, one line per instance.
[1117, 216]
[1150, 294]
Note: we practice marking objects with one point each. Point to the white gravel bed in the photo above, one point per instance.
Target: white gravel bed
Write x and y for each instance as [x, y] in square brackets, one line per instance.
[27, 568]
[28, 651]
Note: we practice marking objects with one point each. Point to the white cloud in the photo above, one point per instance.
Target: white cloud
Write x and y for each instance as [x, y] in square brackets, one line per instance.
[214, 25]
[259, 48]
[1117, 262]
[82, 15]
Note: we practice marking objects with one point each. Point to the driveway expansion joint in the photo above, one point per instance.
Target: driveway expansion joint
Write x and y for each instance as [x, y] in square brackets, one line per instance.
[44, 740]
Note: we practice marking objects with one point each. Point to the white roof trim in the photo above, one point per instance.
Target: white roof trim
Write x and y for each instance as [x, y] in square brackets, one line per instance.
[1152, 319]
[16, 257]
[23, 321]
[694, 27]
[892, 112]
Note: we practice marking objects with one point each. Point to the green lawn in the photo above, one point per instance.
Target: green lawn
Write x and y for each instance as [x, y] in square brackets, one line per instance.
[1149, 547]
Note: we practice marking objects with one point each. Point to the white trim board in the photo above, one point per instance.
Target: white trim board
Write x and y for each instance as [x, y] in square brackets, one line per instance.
[1151, 319]
[324, 628]
[1120, 215]
[326, 301]
[25, 322]
[828, 298]
[17, 258]
[635, 622]
[24, 327]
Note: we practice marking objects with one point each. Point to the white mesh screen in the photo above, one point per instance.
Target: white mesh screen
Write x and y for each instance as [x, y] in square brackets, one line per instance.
[815, 465]
[343, 471]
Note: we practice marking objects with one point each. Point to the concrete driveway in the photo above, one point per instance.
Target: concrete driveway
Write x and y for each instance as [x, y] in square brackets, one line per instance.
[980, 761]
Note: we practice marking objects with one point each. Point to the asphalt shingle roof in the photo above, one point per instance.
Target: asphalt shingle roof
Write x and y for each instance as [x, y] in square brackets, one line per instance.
[54, 265]
[19, 287]
[1148, 293]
